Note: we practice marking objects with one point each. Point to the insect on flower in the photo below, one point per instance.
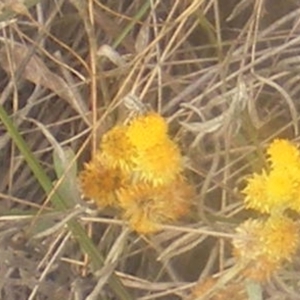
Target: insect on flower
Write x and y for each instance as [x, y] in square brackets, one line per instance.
[135, 106]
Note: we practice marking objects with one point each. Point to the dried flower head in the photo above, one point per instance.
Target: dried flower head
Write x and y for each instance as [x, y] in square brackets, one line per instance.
[263, 246]
[145, 131]
[248, 250]
[280, 238]
[142, 207]
[209, 289]
[261, 269]
[147, 207]
[181, 195]
[117, 150]
[100, 183]
[159, 164]
[247, 244]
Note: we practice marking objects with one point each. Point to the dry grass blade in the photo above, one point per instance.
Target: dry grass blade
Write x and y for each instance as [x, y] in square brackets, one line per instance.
[224, 76]
[38, 73]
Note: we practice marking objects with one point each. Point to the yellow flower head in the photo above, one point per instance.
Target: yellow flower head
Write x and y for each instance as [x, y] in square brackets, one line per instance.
[275, 191]
[280, 188]
[116, 149]
[145, 131]
[283, 154]
[159, 164]
[264, 246]
[295, 203]
[256, 194]
[100, 183]
[147, 207]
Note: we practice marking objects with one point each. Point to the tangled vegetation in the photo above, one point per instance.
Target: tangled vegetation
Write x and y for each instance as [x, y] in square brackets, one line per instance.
[149, 149]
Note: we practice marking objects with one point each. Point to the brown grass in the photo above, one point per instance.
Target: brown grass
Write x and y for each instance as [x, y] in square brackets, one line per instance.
[224, 74]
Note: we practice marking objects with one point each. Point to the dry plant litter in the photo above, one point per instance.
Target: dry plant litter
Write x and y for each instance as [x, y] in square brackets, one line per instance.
[149, 149]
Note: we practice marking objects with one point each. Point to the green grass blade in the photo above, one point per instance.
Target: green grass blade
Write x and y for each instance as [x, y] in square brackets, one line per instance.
[144, 8]
[61, 204]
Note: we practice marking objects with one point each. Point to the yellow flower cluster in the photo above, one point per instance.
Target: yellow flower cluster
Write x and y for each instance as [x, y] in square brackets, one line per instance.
[279, 188]
[265, 245]
[138, 168]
